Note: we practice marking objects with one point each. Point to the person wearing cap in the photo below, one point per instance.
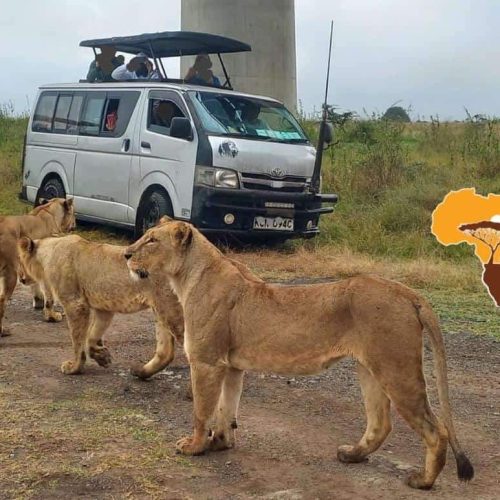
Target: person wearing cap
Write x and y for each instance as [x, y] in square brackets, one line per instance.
[102, 66]
[138, 68]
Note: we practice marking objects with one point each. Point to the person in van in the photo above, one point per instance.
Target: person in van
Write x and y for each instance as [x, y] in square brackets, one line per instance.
[102, 66]
[138, 68]
[200, 73]
[250, 118]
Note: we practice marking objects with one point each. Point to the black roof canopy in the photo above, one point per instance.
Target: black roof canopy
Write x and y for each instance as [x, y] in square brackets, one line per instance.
[171, 44]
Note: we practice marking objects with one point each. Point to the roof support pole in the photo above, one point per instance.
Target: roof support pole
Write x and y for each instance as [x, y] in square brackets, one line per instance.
[228, 81]
[157, 67]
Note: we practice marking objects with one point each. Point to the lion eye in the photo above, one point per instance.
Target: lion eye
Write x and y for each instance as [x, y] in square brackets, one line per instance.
[152, 240]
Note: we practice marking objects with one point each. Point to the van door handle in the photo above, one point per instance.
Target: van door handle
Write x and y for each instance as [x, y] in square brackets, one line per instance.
[145, 145]
[126, 145]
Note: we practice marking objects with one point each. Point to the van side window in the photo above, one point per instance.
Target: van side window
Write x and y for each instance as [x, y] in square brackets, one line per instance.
[108, 115]
[90, 123]
[42, 120]
[160, 115]
[62, 111]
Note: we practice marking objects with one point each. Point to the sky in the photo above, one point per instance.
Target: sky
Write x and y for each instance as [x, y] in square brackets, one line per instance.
[433, 56]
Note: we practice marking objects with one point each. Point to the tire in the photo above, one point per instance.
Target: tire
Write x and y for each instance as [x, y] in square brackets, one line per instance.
[51, 188]
[153, 207]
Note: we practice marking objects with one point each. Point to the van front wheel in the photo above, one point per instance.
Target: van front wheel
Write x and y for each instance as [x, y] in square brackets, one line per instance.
[51, 188]
[152, 208]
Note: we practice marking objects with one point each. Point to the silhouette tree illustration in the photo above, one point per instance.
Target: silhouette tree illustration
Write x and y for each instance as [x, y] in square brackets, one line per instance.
[488, 232]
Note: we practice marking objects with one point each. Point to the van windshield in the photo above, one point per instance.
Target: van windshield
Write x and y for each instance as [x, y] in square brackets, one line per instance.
[246, 117]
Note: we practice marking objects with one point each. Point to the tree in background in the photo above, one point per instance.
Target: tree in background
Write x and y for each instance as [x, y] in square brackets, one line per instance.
[396, 114]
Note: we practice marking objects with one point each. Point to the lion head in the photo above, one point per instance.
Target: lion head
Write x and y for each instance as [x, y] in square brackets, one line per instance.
[29, 269]
[161, 250]
[62, 210]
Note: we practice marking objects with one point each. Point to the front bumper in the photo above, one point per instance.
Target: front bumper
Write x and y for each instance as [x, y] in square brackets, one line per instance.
[210, 205]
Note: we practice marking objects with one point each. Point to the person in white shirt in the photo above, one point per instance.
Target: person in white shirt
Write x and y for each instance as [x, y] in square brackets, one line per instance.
[138, 68]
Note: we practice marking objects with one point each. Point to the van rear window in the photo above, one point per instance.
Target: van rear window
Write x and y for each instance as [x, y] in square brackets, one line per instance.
[44, 113]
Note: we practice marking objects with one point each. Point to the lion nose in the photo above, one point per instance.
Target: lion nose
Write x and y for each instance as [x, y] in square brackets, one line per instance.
[128, 255]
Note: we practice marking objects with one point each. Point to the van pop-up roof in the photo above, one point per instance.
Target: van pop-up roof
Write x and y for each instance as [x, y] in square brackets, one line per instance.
[172, 44]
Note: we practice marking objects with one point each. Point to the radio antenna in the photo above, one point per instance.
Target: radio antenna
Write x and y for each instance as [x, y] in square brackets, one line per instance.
[316, 177]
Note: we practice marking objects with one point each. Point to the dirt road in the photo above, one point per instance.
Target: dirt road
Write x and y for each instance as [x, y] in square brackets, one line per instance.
[104, 434]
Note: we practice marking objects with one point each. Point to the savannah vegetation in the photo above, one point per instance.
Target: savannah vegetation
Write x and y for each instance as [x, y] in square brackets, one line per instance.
[389, 176]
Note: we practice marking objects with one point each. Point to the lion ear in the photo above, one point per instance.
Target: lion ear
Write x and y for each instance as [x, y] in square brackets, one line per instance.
[182, 235]
[68, 203]
[42, 201]
[26, 244]
[164, 220]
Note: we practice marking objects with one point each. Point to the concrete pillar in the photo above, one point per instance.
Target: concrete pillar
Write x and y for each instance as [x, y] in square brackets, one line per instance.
[268, 26]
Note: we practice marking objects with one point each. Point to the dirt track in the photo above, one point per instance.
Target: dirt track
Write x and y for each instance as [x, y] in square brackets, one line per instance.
[105, 434]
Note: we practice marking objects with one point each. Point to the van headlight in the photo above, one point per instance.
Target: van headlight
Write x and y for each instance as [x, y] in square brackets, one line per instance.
[217, 177]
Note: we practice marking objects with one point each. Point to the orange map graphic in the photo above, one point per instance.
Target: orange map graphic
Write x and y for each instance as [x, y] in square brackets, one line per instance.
[466, 217]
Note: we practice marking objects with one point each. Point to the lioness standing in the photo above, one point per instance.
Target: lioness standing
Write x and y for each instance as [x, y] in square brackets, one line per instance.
[52, 217]
[233, 323]
[92, 282]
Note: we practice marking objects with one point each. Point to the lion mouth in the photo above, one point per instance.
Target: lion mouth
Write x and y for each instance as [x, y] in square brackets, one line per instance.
[142, 273]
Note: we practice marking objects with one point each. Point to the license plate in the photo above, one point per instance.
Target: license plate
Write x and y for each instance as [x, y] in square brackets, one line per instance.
[273, 223]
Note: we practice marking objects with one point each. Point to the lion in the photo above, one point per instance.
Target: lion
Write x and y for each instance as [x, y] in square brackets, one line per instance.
[92, 283]
[234, 324]
[51, 217]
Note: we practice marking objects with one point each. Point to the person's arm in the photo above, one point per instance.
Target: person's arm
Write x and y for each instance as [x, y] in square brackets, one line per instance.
[122, 73]
[190, 74]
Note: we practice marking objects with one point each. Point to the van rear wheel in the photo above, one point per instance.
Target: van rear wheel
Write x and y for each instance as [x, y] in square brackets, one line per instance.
[153, 207]
[51, 188]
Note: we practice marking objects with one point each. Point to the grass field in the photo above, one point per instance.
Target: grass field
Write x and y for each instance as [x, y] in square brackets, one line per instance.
[389, 176]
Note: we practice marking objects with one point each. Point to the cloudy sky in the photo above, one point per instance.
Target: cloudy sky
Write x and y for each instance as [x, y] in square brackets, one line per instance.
[436, 56]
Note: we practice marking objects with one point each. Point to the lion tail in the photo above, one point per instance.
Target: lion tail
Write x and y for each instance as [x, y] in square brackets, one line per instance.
[430, 322]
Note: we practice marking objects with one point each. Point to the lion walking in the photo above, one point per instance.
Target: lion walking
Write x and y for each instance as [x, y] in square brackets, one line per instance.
[235, 323]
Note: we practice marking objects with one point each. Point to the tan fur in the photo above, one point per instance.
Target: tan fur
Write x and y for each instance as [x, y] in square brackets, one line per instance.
[92, 282]
[235, 323]
[53, 217]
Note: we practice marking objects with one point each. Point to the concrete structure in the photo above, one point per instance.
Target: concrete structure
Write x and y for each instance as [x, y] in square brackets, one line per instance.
[268, 26]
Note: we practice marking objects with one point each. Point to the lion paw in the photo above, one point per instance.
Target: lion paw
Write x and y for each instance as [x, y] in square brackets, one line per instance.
[188, 446]
[137, 370]
[220, 441]
[416, 480]
[4, 332]
[101, 356]
[70, 368]
[53, 317]
[349, 455]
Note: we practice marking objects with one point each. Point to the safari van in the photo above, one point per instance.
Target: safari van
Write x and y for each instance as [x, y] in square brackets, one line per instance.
[129, 152]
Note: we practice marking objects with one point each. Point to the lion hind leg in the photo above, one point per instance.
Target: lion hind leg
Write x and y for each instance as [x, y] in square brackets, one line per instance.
[98, 326]
[408, 393]
[78, 315]
[224, 435]
[378, 420]
[38, 296]
[164, 354]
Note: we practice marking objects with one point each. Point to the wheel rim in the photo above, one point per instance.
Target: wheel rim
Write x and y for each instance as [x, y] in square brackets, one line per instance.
[51, 191]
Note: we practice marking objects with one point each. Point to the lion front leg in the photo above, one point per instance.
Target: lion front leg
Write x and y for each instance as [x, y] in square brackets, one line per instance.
[224, 434]
[207, 385]
[78, 315]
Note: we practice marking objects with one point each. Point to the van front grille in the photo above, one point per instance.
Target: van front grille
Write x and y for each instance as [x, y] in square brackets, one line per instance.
[265, 182]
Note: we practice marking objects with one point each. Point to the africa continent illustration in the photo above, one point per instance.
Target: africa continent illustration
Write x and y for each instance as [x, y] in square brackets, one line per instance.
[466, 217]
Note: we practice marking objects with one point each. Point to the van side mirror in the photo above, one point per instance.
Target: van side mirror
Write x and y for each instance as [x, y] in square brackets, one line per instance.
[328, 133]
[181, 128]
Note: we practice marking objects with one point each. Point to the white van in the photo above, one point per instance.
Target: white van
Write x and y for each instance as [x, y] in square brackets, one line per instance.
[130, 152]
